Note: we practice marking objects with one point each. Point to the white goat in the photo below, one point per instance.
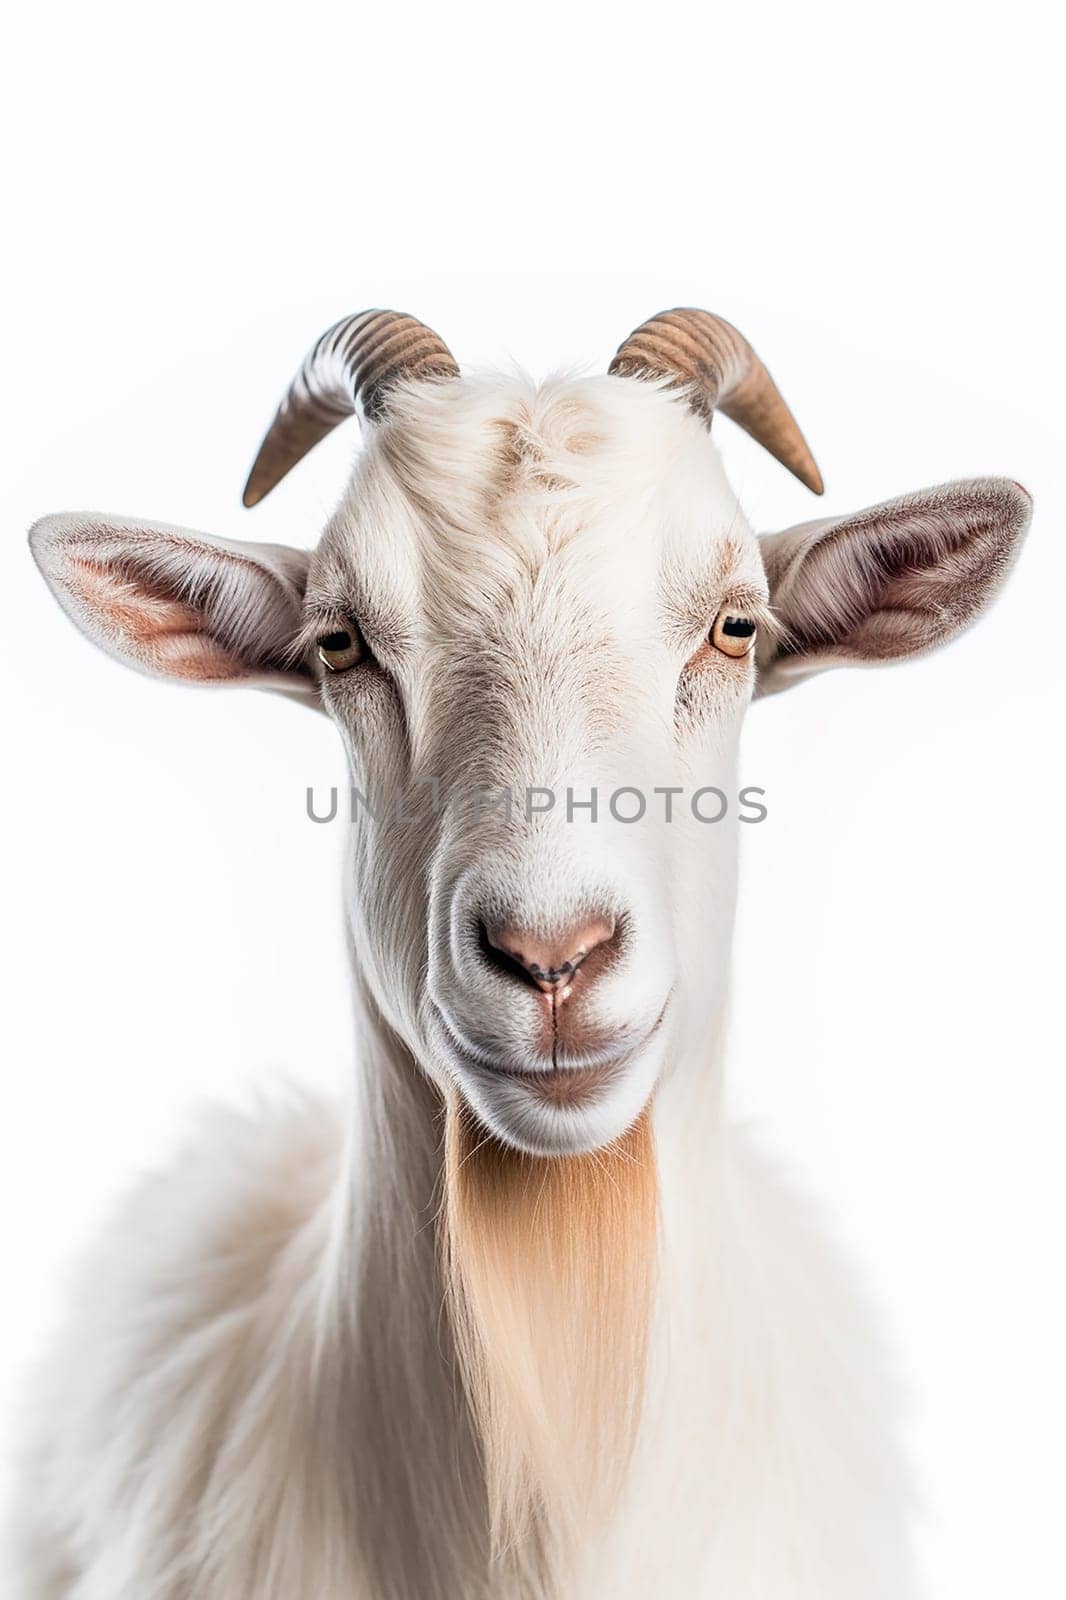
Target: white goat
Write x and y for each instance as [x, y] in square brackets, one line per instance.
[525, 1319]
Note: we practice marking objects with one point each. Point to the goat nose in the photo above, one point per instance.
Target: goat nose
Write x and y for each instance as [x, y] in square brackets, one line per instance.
[549, 963]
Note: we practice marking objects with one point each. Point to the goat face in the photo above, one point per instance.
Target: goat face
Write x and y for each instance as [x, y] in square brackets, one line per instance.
[530, 620]
[534, 670]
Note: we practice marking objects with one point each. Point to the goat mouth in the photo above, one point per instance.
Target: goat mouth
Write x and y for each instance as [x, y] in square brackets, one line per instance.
[568, 1086]
[564, 1084]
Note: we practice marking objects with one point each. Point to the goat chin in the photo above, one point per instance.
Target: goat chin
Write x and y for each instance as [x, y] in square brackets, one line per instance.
[550, 1266]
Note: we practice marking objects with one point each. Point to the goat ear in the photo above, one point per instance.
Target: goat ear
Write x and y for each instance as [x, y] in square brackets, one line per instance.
[891, 582]
[177, 604]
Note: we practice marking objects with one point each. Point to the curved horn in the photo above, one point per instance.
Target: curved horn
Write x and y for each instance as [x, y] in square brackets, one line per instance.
[350, 367]
[707, 355]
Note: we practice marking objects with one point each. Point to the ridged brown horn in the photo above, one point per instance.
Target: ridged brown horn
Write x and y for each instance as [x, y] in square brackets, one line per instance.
[350, 368]
[707, 355]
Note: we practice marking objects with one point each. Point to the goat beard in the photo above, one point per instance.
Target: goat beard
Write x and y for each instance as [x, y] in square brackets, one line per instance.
[549, 1264]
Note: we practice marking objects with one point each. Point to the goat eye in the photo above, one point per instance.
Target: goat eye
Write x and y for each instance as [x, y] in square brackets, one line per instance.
[340, 650]
[733, 633]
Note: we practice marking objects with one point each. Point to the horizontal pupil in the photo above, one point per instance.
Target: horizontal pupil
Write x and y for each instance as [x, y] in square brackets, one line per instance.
[336, 641]
[738, 627]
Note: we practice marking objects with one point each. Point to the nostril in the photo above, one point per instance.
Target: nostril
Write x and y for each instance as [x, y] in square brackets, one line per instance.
[549, 963]
[498, 957]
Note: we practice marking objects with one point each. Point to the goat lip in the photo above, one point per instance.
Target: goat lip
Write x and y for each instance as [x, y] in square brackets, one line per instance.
[534, 1075]
[562, 1087]
[569, 1086]
[563, 1083]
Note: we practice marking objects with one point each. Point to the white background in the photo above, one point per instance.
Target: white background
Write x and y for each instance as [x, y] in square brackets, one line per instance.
[191, 195]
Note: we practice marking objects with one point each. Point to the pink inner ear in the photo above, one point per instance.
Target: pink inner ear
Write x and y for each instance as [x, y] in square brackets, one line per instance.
[160, 631]
[895, 580]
